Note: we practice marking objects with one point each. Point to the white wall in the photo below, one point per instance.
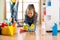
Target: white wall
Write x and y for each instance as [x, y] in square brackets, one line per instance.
[53, 11]
[1, 10]
[59, 12]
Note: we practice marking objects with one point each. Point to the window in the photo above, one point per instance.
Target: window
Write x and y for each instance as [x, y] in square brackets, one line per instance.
[22, 8]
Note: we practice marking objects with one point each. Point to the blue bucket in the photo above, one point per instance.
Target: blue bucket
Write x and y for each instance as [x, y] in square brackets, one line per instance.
[54, 30]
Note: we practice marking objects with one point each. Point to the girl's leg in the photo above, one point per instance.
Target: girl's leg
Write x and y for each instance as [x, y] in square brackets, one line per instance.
[16, 11]
[15, 16]
[12, 12]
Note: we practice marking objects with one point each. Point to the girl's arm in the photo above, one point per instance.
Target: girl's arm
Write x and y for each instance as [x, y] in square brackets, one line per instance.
[36, 19]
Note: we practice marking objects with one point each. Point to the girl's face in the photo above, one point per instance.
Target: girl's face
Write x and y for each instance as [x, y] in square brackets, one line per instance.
[30, 13]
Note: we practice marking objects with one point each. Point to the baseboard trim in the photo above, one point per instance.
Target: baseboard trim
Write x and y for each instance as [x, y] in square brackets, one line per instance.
[51, 31]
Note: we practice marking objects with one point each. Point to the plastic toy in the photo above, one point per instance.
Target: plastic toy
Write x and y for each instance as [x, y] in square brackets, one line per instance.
[54, 30]
[3, 25]
[6, 24]
[11, 30]
[10, 24]
[42, 19]
[14, 24]
[7, 30]
[25, 27]
[44, 11]
[49, 3]
[21, 30]
[6, 21]
[32, 26]
[14, 27]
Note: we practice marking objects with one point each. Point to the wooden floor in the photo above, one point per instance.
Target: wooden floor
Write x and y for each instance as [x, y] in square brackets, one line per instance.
[40, 34]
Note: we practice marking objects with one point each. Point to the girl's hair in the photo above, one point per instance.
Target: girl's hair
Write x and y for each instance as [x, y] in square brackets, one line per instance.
[30, 7]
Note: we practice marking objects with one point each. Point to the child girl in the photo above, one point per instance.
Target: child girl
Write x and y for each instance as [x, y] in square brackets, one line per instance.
[31, 16]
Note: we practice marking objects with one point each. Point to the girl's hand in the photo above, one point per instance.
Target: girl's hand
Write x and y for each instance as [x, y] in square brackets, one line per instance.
[32, 26]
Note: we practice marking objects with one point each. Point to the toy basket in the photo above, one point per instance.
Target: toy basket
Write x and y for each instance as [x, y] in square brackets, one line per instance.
[10, 30]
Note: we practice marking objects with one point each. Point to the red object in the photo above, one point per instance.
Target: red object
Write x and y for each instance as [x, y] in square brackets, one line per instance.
[6, 24]
[21, 30]
[3, 24]
[14, 24]
[45, 12]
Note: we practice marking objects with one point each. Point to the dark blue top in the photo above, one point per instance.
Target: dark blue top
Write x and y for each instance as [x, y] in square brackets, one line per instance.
[29, 20]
